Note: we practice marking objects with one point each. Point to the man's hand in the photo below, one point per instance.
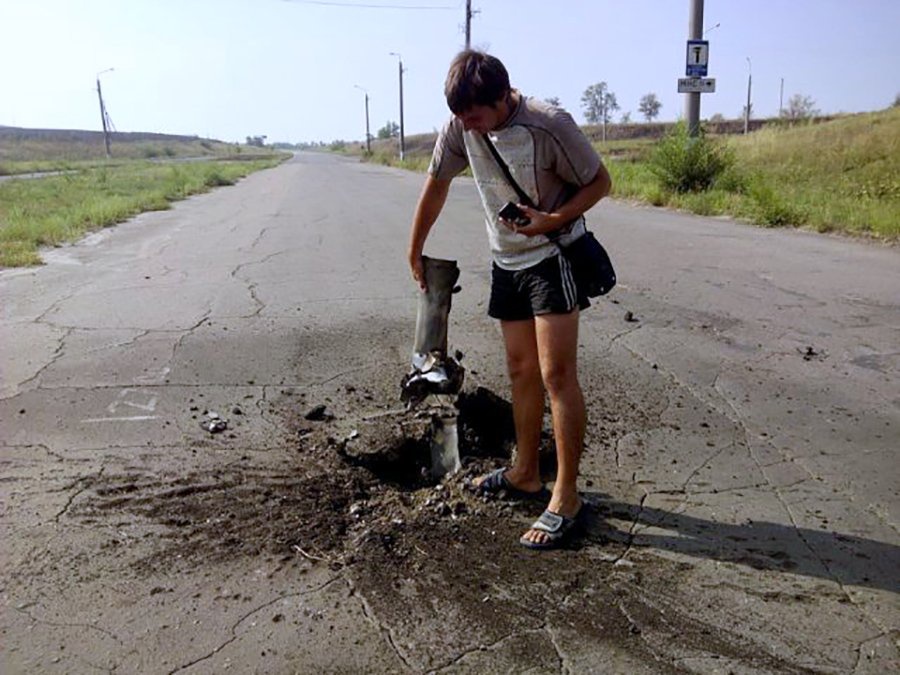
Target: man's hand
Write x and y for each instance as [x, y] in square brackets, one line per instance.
[417, 269]
[541, 222]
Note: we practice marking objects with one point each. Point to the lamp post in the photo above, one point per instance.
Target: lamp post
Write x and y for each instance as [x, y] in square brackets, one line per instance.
[747, 109]
[368, 135]
[402, 137]
[103, 115]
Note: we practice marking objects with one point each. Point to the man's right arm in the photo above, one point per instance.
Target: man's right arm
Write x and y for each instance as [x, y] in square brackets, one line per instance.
[431, 201]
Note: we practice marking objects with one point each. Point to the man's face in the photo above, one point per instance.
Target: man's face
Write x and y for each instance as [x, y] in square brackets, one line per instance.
[481, 118]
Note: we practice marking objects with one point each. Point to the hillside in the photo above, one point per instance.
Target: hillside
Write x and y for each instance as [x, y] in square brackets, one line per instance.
[23, 150]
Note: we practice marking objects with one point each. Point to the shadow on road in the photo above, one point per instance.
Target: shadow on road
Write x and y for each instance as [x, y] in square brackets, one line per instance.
[761, 545]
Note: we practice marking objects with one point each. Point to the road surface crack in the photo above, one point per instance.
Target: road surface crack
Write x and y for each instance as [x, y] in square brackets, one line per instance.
[63, 624]
[58, 352]
[491, 647]
[631, 530]
[255, 610]
[87, 482]
[385, 631]
[790, 514]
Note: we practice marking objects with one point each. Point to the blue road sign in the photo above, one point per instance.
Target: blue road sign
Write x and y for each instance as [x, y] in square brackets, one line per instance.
[697, 58]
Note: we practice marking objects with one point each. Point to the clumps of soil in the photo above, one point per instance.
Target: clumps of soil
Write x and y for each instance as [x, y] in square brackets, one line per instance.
[336, 496]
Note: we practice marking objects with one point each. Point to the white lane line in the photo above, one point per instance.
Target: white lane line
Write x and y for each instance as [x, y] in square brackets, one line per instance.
[136, 418]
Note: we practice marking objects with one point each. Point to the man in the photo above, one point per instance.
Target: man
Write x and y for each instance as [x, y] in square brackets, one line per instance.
[533, 293]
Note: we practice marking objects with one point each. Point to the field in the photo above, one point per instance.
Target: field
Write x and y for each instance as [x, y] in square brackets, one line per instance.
[147, 172]
[32, 150]
[838, 174]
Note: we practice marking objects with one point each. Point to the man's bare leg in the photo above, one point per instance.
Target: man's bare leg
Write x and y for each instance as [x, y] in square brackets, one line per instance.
[557, 344]
[527, 399]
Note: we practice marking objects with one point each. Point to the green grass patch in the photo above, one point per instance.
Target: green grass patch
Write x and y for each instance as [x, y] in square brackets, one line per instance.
[51, 211]
[838, 176]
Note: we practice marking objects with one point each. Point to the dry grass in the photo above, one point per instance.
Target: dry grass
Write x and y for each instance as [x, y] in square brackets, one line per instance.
[57, 209]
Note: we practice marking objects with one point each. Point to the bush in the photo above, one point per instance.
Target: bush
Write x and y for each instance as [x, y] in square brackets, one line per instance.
[770, 209]
[683, 163]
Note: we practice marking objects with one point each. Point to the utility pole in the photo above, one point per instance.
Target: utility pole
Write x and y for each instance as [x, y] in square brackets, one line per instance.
[781, 100]
[103, 115]
[468, 24]
[692, 101]
[368, 135]
[402, 137]
[747, 109]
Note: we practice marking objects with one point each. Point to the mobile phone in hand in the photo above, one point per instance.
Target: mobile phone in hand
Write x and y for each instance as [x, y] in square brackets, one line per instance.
[512, 213]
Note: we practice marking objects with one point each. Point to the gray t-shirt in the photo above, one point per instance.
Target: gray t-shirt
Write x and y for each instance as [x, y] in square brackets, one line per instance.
[546, 153]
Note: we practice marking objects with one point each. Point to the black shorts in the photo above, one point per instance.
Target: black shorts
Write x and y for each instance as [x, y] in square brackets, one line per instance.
[546, 288]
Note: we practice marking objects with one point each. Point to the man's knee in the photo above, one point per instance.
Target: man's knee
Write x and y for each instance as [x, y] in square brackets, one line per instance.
[522, 367]
[559, 378]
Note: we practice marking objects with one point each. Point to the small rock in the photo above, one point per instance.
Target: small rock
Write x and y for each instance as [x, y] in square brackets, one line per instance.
[353, 434]
[630, 317]
[236, 411]
[317, 413]
[212, 415]
[277, 618]
[214, 426]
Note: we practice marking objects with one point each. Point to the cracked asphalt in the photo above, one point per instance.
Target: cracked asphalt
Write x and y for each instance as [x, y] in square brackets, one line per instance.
[741, 459]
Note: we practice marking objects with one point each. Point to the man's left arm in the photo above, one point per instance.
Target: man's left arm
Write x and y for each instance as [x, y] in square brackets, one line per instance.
[587, 195]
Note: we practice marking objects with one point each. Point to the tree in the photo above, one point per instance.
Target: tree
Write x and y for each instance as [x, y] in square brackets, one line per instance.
[717, 118]
[649, 106]
[389, 130]
[599, 104]
[800, 107]
[553, 100]
[896, 101]
[625, 118]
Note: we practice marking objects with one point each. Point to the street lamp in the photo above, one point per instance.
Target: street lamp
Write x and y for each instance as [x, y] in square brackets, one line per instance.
[402, 137]
[368, 135]
[103, 116]
[747, 109]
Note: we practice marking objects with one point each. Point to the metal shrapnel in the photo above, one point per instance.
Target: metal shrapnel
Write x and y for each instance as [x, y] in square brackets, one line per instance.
[432, 370]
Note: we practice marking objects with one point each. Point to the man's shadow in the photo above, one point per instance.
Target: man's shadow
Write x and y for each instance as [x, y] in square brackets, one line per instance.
[833, 556]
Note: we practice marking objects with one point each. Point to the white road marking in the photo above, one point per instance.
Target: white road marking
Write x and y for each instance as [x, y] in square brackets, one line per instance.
[148, 405]
[136, 418]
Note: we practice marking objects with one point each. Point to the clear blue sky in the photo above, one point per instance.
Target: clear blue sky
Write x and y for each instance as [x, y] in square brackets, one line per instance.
[286, 68]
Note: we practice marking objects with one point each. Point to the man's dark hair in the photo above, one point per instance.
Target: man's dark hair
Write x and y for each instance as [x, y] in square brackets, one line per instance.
[475, 78]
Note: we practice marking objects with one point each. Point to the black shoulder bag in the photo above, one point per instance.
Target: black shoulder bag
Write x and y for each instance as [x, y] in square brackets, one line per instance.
[591, 266]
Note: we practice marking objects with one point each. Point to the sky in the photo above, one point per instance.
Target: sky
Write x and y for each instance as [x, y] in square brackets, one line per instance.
[288, 69]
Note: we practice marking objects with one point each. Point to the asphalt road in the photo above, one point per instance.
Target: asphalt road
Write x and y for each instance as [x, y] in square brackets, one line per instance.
[742, 450]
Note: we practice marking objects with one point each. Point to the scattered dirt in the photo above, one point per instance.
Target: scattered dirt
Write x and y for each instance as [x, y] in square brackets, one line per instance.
[421, 554]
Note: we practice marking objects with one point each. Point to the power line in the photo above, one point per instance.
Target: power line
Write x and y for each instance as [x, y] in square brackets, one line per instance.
[362, 5]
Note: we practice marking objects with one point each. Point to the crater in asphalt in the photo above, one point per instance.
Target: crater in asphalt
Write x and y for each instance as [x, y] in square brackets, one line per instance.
[429, 559]
[334, 490]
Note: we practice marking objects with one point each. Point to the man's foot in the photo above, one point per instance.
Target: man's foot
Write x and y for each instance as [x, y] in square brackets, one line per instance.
[504, 480]
[556, 525]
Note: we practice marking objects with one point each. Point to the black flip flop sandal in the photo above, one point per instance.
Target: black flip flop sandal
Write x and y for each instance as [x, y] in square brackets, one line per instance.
[495, 482]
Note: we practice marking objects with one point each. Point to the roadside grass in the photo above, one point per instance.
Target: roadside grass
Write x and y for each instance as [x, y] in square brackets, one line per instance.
[57, 209]
[21, 152]
[838, 176]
